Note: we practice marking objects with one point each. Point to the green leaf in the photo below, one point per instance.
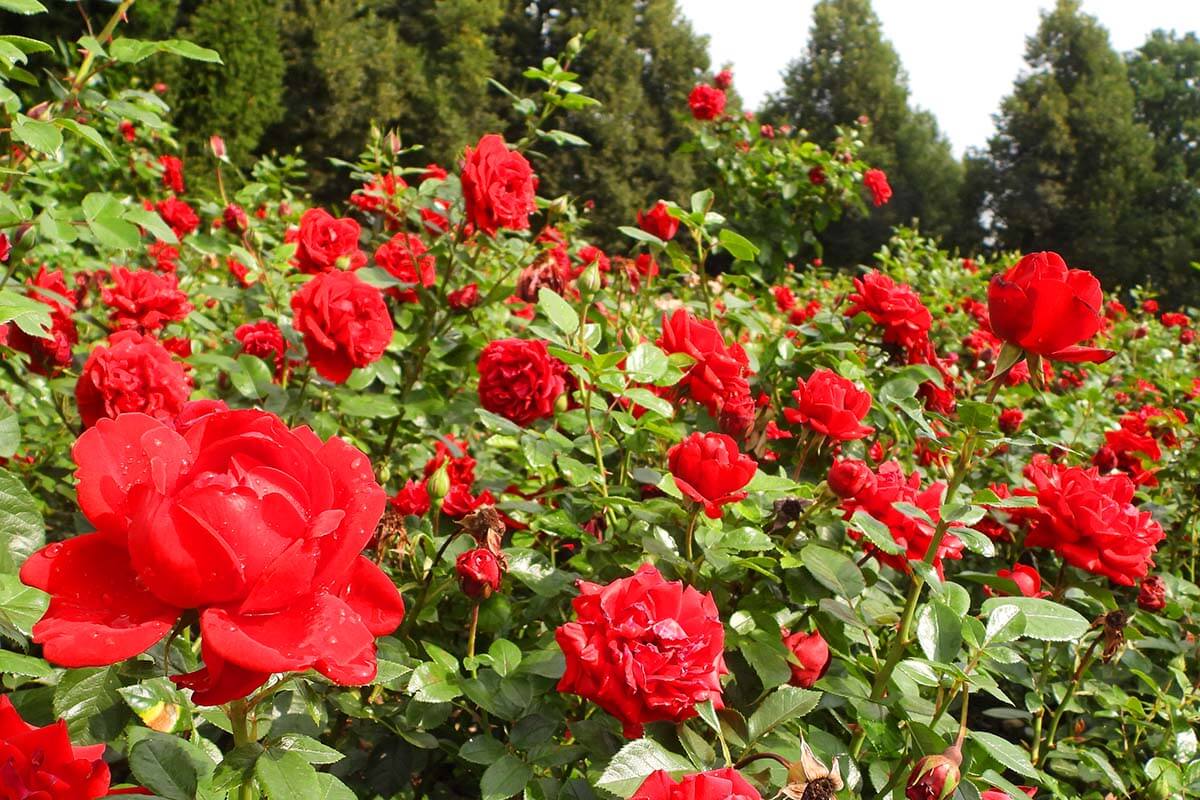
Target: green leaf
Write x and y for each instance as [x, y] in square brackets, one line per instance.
[370, 406]
[21, 605]
[506, 777]
[738, 246]
[433, 683]
[939, 632]
[646, 363]
[481, 749]
[702, 201]
[640, 235]
[189, 50]
[90, 135]
[89, 701]
[24, 666]
[22, 6]
[314, 752]
[152, 222]
[169, 766]
[286, 775]
[1006, 622]
[1044, 619]
[21, 527]
[876, 532]
[1007, 753]
[31, 316]
[506, 657]
[834, 570]
[650, 401]
[630, 766]
[40, 135]
[784, 704]
[104, 216]
[558, 311]
[980, 416]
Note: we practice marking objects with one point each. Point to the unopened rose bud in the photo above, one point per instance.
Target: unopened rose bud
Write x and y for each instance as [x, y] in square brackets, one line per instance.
[574, 45]
[479, 572]
[217, 145]
[438, 484]
[394, 143]
[589, 281]
[934, 777]
[1152, 594]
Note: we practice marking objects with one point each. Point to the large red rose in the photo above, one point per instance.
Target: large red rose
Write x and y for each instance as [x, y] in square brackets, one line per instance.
[1046, 309]
[718, 379]
[41, 764]
[172, 173]
[894, 306]
[709, 469]
[658, 221]
[643, 649]
[326, 242]
[498, 186]
[406, 258]
[251, 525]
[706, 102]
[345, 323]
[717, 784]
[264, 340]
[831, 405]
[144, 300]
[133, 373]
[178, 215]
[1090, 520]
[519, 380]
[48, 356]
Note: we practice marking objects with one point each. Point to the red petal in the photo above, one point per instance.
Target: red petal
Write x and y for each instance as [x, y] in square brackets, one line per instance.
[373, 596]
[219, 681]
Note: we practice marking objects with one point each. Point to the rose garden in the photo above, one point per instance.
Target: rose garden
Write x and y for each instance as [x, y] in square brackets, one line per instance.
[425, 494]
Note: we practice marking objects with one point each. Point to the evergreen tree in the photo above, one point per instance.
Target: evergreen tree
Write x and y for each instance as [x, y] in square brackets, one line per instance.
[850, 71]
[1165, 75]
[1068, 160]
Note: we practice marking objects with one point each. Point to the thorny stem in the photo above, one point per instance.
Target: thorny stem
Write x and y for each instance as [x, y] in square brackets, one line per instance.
[105, 34]
[471, 635]
[426, 582]
[1085, 662]
[241, 718]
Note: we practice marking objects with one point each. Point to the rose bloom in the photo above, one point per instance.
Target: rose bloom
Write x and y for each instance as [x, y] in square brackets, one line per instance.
[706, 102]
[235, 218]
[172, 173]
[464, 298]
[1011, 419]
[723, 79]
[412, 499]
[911, 533]
[717, 784]
[459, 501]
[128, 131]
[406, 259]
[252, 527]
[133, 373]
[325, 243]
[1046, 309]
[41, 763]
[1152, 594]
[658, 221]
[479, 572]
[709, 469]
[1090, 520]
[143, 300]
[460, 466]
[178, 215]
[894, 306]
[498, 186]
[644, 649]
[831, 405]
[519, 380]
[718, 378]
[264, 340]
[848, 478]
[48, 356]
[876, 180]
[165, 256]
[345, 323]
[1027, 579]
[810, 657]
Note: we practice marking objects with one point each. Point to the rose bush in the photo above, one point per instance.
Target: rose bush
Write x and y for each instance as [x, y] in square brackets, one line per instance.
[443, 491]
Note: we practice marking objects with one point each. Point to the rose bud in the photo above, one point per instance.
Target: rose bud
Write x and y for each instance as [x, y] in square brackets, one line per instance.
[850, 477]
[934, 777]
[235, 218]
[1105, 459]
[479, 572]
[464, 298]
[217, 145]
[438, 484]
[811, 657]
[1152, 594]
[1011, 419]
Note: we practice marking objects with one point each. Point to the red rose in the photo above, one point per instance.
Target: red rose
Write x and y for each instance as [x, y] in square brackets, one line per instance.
[434, 172]
[1150, 306]
[460, 467]
[1027, 579]
[405, 257]
[710, 470]
[143, 300]
[718, 378]
[464, 298]
[1011, 419]
[498, 186]
[165, 256]
[643, 649]
[723, 79]
[41, 764]
[717, 784]
[263, 340]
[133, 373]
[239, 271]
[876, 180]
[253, 527]
[519, 380]
[479, 572]
[658, 221]
[325, 243]
[345, 323]
[172, 173]
[412, 499]
[810, 655]
[934, 777]
[178, 215]
[830, 405]
[459, 501]
[128, 131]
[48, 356]
[1152, 594]
[1046, 309]
[896, 307]
[816, 176]
[235, 218]
[850, 477]
[1090, 520]
[706, 102]
[996, 794]
[912, 533]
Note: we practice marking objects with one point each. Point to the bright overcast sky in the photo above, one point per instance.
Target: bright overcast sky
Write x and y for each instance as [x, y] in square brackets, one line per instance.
[961, 56]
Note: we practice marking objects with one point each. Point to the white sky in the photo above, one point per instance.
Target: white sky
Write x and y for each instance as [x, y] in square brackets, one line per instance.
[961, 56]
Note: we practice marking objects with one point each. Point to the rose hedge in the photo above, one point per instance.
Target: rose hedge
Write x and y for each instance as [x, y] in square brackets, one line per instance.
[429, 495]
